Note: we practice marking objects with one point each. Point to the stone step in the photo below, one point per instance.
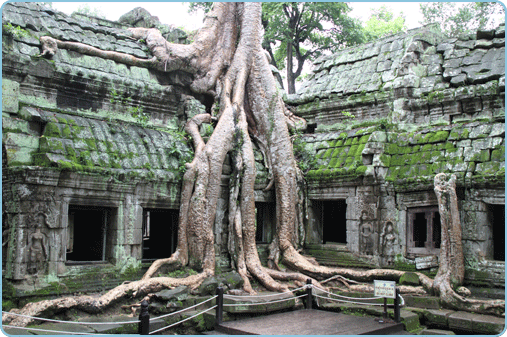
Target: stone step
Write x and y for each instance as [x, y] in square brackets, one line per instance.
[460, 321]
[436, 332]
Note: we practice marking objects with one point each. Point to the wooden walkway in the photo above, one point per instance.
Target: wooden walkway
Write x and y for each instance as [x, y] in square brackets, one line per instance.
[308, 322]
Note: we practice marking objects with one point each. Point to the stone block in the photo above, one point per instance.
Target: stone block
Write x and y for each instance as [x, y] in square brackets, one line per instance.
[438, 318]
[10, 96]
[437, 332]
[461, 321]
[488, 325]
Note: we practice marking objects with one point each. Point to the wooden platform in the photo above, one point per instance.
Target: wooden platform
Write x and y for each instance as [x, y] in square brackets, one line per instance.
[308, 322]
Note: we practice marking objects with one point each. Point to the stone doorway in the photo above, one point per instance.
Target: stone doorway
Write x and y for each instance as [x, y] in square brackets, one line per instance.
[87, 233]
[334, 221]
[496, 215]
[160, 232]
[265, 217]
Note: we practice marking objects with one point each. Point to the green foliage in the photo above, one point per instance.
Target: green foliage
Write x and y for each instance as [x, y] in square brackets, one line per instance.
[455, 19]
[137, 113]
[90, 11]
[195, 6]
[303, 31]
[14, 31]
[382, 23]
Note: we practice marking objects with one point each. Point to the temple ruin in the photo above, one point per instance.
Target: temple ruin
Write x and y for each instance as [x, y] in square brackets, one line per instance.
[93, 151]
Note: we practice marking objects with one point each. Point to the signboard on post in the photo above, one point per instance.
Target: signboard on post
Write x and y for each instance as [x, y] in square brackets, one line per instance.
[386, 289]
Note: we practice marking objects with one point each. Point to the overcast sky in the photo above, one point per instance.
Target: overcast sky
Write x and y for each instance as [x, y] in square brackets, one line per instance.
[176, 13]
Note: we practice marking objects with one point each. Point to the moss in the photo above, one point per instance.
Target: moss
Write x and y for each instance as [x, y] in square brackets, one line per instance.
[352, 151]
[427, 147]
[91, 144]
[52, 130]
[361, 170]
[482, 156]
[336, 153]
[66, 132]
[327, 154]
[364, 139]
[392, 148]
[439, 136]
[498, 154]
[450, 148]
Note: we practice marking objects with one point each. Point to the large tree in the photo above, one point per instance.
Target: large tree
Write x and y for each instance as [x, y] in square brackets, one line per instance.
[456, 19]
[227, 61]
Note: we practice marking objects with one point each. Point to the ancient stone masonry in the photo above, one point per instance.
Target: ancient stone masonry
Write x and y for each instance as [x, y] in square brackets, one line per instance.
[390, 115]
[86, 138]
[93, 150]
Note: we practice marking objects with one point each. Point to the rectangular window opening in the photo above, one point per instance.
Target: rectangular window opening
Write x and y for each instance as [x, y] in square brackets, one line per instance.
[160, 233]
[87, 233]
[265, 217]
[424, 230]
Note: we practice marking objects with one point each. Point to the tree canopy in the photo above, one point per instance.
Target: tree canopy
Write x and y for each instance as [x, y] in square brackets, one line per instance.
[302, 31]
[382, 22]
[455, 19]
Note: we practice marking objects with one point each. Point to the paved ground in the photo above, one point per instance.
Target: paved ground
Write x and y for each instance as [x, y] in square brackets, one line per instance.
[308, 322]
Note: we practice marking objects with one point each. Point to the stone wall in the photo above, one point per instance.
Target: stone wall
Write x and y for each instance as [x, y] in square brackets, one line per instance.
[385, 118]
[79, 130]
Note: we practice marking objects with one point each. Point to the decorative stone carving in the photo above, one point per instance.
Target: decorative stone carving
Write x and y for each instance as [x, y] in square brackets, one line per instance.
[37, 251]
[388, 243]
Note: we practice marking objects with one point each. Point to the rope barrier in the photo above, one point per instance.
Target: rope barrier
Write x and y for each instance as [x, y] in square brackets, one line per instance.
[268, 302]
[349, 298]
[68, 322]
[184, 309]
[186, 319]
[268, 295]
[44, 330]
[344, 301]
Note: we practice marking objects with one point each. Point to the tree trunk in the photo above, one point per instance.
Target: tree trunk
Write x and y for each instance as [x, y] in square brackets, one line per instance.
[451, 271]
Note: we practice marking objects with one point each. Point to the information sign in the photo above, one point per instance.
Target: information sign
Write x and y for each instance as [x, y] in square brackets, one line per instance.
[384, 289]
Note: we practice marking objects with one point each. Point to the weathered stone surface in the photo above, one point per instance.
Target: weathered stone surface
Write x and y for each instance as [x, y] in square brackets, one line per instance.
[177, 294]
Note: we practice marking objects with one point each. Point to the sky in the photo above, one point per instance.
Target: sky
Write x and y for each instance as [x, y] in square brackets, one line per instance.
[176, 13]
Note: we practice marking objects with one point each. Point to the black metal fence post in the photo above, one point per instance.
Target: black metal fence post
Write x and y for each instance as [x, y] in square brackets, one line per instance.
[144, 319]
[219, 311]
[397, 306]
[309, 297]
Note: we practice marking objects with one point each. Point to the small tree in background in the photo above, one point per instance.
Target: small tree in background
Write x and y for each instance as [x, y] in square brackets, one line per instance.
[455, 19]
[382, 22]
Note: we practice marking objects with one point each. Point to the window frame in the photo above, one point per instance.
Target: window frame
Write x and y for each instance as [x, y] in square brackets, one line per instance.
[429, 245]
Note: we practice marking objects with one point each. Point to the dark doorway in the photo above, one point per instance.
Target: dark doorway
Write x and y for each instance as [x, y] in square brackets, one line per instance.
[420, 230]
[496, 215]
[86, 233]
[334, 221]
[265, 217]
[160, 232]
